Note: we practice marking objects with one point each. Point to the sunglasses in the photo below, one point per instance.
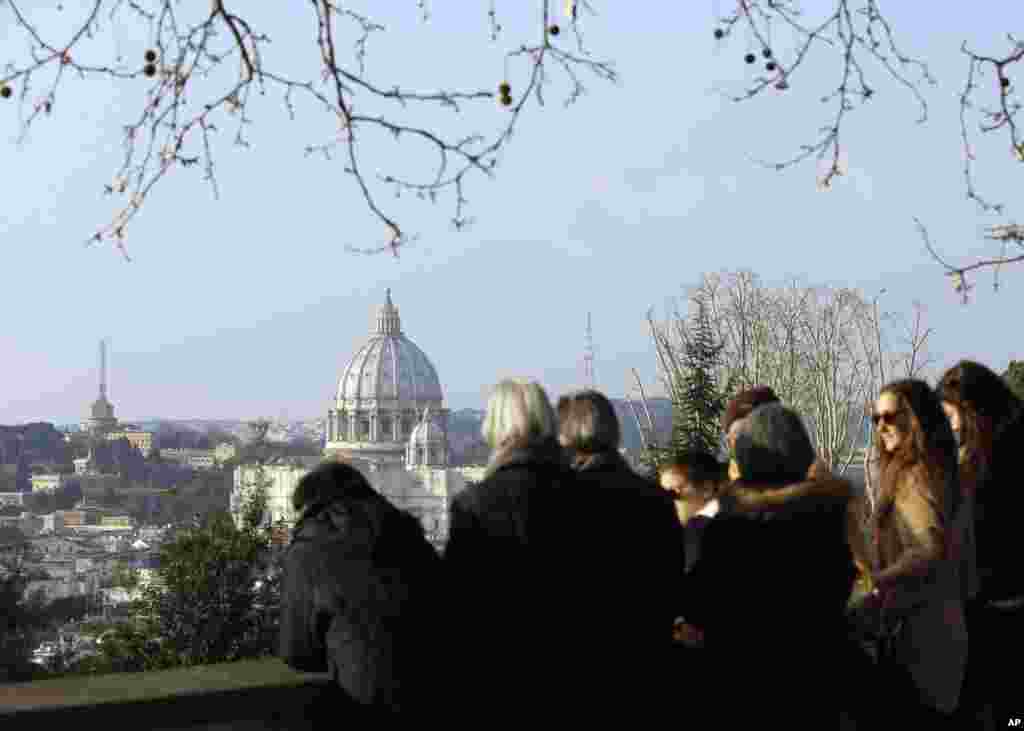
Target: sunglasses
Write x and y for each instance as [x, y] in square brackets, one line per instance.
[886, 417]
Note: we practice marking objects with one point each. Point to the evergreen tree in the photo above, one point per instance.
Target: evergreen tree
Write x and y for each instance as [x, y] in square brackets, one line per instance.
[1014, 377]
[698, 399]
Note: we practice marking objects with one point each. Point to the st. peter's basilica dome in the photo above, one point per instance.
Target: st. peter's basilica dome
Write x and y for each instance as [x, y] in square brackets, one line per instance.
[382, 393]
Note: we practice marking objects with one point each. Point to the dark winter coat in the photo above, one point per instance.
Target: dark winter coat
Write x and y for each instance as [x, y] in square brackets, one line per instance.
[769, 590]
[637, 556]
[512, 565]
[358, 599]
[998, 511]
[995, 619]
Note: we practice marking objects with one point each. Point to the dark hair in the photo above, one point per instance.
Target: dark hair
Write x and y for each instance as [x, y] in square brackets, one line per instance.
[697, 466]
[740, 406]
[986, 404]
[773, 446]
[587, 424]
[930, 445]
[329, 482]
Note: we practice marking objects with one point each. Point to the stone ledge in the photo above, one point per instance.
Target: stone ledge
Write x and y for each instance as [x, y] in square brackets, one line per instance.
[252, 694]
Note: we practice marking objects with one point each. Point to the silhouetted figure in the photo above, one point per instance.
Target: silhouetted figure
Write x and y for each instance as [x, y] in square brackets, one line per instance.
[360, 594]
[770, 586]
[515, 582]
[634, 558]
[989, 420]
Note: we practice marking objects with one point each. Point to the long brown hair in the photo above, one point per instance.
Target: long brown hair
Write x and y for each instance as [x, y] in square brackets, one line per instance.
[929, 445]
[986, 405]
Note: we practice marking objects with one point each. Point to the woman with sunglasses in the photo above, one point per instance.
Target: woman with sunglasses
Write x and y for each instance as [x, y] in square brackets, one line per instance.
[916, 579]
[989, 421]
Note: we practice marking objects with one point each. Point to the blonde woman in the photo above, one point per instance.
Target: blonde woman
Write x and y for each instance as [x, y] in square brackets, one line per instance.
[509, 559]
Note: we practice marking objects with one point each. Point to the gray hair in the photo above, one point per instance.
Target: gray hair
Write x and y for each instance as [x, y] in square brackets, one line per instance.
[773, 447]
[518, 415]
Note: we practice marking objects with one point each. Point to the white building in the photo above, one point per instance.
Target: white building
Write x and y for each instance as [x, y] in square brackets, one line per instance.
[197, 459]
[280, 477]
[389, 421]
[16, 499]
[47, 482]
[381, 395]
[53, 523]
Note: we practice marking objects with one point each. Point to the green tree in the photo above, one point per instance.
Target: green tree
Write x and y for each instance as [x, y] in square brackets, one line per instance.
[1014, 376]
[20, 616]
[699, 400]
[124, 576]
[690, 363]
[210, 608]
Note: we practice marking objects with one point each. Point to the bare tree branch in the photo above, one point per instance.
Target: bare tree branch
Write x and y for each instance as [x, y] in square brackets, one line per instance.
[190, 95]
[856, 34]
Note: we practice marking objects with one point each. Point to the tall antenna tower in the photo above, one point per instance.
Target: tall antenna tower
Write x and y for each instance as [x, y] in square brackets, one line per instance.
[103, 368]
[588, 355]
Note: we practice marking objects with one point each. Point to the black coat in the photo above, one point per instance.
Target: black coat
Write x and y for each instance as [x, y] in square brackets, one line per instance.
[632, 564]
[509, 560]
[637, 554]
[769, 589]
[998, 510]
[357, 601]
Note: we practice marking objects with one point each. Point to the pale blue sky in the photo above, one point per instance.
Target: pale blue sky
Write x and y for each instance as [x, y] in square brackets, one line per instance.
[251, 305]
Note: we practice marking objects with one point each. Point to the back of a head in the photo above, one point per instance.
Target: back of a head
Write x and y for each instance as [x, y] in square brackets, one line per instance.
[519, 414]
[743, 403]
[773, 446]
[971, 385]
[329, 482]
[699, 468]
[587, 424]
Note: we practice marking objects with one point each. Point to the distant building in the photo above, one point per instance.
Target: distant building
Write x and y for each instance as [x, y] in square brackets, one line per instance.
[281, 476]
[381, 395]
[117, 521]
[47, 482]
[141, 440]
[53, 523]
[197, 459]
[101, 414]
[12, 498]
[388, 421]
[224, 451]
[73, 518]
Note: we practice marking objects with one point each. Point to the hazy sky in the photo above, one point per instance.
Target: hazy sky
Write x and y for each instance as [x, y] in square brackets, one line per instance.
[250, 305]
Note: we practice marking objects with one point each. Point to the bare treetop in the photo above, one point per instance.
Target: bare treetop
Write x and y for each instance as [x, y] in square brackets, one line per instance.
[207, 62]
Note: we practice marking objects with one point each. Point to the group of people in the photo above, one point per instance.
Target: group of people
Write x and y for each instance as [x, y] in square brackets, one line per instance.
[760, 590]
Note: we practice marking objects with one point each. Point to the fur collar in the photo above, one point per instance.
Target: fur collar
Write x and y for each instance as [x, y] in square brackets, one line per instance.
[803, 497]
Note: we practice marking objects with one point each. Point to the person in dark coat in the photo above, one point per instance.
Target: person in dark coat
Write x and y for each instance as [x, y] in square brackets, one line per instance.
[693, 478]
[358, 593]
[988, 419]
[636, 557]
[770, 587]
[512, 560]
